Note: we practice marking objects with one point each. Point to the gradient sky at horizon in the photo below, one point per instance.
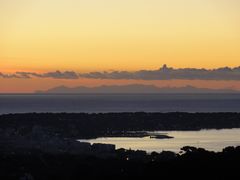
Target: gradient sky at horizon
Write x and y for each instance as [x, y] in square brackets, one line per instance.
[97, 35]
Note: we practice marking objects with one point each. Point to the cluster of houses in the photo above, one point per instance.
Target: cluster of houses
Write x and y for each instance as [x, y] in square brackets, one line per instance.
[40, 139]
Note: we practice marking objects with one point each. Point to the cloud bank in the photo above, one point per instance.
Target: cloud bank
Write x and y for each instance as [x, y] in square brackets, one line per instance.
[163, 73]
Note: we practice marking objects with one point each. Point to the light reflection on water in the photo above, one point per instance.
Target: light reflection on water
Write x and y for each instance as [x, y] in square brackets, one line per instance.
[213, 140]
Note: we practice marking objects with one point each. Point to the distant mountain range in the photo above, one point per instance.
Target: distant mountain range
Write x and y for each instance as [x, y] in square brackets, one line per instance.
[134, 88]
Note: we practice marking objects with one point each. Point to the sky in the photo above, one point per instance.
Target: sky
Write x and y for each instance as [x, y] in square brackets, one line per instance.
[115, 35]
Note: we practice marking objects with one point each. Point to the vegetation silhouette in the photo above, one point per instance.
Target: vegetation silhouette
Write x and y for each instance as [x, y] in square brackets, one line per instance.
[192, 163]
[83, 125]
[33, 163]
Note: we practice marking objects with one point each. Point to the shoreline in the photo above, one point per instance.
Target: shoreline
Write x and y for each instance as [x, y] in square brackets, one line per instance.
[43, 146]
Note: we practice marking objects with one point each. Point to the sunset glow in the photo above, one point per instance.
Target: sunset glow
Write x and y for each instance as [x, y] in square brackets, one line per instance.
[104, 35]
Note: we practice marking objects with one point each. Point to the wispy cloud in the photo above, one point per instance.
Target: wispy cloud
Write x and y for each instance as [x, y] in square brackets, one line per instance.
[55, 75]
[9, 75]
[163, 73]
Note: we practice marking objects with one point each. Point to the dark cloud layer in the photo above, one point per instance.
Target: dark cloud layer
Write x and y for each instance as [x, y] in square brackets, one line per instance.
[164, 73]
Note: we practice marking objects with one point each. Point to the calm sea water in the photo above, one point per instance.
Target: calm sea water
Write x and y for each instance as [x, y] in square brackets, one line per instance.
[120, 103]
[213, 140]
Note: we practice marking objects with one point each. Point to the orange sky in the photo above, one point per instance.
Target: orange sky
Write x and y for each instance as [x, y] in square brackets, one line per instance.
[97, 35]
[31, 85]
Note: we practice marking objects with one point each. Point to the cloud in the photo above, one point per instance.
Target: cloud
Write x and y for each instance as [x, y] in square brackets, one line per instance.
[8, 76]
[166, 73]
[163, 73]
[54, 75]
[60, 75]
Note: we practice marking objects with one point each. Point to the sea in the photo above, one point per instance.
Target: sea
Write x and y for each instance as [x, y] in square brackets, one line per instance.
[211, 140]
[103, 103]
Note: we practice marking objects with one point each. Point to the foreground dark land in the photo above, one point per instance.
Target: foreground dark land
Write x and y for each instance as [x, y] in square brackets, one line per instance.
[82, 125]
[43, 146]
[192, 164]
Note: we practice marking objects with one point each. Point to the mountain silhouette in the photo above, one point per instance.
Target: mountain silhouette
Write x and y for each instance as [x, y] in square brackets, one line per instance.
[134, 88]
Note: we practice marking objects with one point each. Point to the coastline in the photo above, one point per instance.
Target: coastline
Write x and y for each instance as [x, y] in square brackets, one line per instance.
[43, 145]
[92, 125]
